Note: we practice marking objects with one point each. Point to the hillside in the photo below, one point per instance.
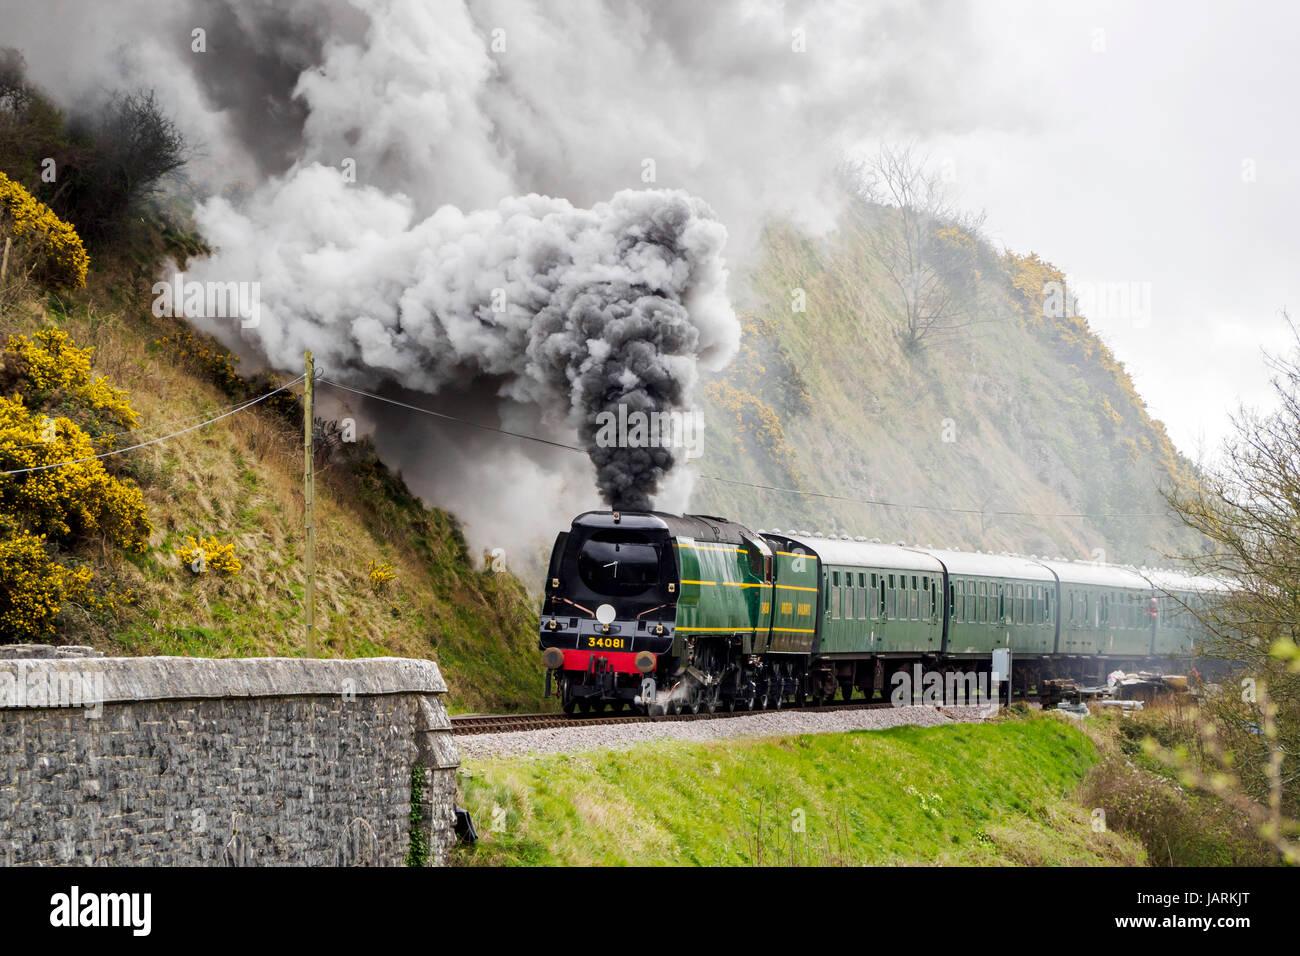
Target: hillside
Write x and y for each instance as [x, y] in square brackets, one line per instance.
[1015, 412]
[239, 480]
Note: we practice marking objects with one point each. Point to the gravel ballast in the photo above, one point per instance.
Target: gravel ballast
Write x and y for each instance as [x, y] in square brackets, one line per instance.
[577, 738]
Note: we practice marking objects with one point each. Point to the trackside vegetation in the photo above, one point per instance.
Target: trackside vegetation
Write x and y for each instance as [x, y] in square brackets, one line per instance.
[1001, 793]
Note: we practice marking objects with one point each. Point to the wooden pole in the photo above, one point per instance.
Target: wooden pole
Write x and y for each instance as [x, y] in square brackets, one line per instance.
[4, 263]
[309, 503]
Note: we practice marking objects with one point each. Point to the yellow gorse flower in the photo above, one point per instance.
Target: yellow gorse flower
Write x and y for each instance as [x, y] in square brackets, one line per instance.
[209, 555]
[381, 576]
[63, 257]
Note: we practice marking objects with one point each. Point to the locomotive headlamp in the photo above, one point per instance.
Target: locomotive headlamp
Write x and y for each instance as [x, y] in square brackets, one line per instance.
[552, 658]
[644, 661]
[552, 624]
[604, 628]
[659, 628]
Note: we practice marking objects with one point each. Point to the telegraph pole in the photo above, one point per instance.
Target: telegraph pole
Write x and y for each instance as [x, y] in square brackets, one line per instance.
[309, 503]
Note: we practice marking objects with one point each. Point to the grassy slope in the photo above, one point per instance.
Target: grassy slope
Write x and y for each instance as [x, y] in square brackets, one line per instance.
[240, 480]
[960, 794]
[1043, 423]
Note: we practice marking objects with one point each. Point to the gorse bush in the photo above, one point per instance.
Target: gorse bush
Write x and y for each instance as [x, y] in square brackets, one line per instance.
[33, 588]
[52, 372]
[381, 576]
[70, 503]
[209, 554]
[57, 496]
[60, 258]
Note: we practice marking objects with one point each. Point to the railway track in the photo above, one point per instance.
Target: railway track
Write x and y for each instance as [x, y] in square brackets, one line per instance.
[469, 724]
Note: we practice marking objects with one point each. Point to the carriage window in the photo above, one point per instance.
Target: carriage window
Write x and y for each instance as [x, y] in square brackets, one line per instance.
[861, 606]
[890, 601]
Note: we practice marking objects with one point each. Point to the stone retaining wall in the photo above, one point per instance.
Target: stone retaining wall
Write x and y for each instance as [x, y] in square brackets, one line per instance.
[251, 761]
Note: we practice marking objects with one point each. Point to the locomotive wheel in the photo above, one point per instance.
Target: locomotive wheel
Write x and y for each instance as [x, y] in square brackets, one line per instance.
[568, 705]
[584, 705]
[846, 691]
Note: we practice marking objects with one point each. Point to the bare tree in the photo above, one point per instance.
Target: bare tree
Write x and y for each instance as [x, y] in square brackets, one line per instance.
[928, 252]
[1248, 509]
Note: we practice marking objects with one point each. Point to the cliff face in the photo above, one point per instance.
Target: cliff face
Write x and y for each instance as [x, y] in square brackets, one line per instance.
[1013, 408]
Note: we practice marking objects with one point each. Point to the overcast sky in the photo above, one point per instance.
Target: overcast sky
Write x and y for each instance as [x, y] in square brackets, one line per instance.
[1129, 168]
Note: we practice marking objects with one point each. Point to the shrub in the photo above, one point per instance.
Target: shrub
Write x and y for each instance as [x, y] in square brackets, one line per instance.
[1176, 827]
[209, 554]
[50, 369]
[69, 503]
[46, 385]
[33, 588]
[61, 258]
[381, 576]
[121, 159]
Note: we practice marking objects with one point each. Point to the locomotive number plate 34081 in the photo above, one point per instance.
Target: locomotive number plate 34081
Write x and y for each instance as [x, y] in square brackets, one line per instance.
[599, 642]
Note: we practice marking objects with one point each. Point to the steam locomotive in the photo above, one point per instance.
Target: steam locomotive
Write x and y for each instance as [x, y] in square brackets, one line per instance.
[682, 613]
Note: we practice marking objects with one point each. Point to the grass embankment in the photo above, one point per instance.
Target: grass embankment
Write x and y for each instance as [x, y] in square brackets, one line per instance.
[980, 794]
